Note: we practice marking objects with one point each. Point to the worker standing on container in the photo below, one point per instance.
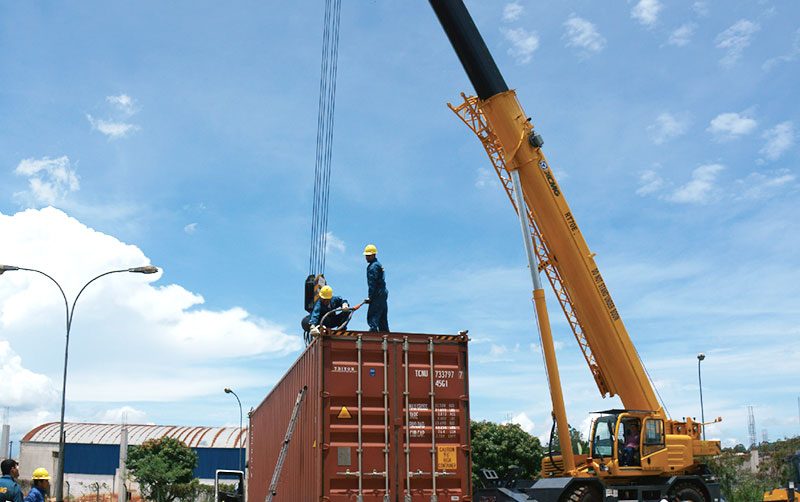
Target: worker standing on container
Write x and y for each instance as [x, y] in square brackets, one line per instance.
[9, 489]
[41, 486]
[325, 304]
[378, 294]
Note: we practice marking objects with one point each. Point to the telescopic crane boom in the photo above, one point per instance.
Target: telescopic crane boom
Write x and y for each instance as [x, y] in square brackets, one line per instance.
[664, 462]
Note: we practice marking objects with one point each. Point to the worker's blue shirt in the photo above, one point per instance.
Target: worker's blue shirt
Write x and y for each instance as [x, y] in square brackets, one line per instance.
[35, 495]
[320, 309]
[9, 489]
[375, 281]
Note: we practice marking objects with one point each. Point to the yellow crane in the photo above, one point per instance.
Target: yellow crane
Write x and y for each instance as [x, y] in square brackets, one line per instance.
[663, 455]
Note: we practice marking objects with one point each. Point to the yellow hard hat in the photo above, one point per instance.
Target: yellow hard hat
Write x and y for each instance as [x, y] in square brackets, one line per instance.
[370, 250]
[326, 293]
[41, 473]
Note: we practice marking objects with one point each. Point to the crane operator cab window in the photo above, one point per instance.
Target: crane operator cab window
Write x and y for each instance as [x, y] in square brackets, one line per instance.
[603, 436]
[653, 436]
[628, 440]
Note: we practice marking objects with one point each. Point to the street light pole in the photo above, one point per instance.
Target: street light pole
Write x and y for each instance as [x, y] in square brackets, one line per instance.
[148, 269]
[700, 357]
[229, 391]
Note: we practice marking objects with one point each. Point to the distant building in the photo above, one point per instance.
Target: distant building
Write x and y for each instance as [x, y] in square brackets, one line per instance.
[91, 451]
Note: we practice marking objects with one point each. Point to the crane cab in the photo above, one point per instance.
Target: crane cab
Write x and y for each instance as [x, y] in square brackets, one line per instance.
[627, 442]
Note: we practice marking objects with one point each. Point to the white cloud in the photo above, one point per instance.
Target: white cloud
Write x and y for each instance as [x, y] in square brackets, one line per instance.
[111, 129]
[22, 388]
[735, 40]
[726, 126]
[794, 52]
[125, 414]
[682, 35]
[779, 139]
[190, 228]
[760, 185]
[700, 8]
[50, 180]
[160, 333]
[512, 11]
[701, 187]
[496, 354]
[123, 103]
[523, 43]
[583, 35]
[649, 182]
[484, 177]
[523, 421]
[333, 243]
[668, 126]
[646, 11]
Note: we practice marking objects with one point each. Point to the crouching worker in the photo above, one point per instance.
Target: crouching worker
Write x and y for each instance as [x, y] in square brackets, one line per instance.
[325, 304]
[41, 486]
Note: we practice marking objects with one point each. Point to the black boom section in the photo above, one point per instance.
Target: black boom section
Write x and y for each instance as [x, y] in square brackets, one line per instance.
[470, 47]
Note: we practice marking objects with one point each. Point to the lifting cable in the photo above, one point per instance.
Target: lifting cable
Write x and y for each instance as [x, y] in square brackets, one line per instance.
[322, 166]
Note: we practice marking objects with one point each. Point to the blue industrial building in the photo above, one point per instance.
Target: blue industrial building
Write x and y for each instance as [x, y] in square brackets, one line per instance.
[91, 451]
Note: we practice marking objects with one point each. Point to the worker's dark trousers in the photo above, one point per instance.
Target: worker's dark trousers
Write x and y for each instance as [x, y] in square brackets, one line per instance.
[377, 314]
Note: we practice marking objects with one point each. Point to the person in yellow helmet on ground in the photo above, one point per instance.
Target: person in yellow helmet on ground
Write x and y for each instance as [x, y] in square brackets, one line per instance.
[41, 486]
[9, 489]
[378, 294]
[325, 304]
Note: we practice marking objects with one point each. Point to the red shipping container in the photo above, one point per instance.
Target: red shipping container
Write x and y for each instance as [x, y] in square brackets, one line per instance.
[385, 417]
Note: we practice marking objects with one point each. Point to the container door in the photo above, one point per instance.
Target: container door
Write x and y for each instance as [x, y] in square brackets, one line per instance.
[357, 447]
[395, 419]
[434, 457]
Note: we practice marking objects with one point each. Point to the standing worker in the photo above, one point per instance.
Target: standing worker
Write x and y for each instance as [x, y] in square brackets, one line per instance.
[376, 282]
[9, 489]
[41, 486]
[325, 304]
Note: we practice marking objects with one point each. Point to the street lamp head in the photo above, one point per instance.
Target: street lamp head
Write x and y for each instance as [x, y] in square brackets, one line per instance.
[6, 268]
[228, 390]
[147, 269]
[701, 356]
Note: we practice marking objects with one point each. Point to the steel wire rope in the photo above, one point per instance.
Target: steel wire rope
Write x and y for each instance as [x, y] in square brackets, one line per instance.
[324, 145]
[329, 129]
[312, 265]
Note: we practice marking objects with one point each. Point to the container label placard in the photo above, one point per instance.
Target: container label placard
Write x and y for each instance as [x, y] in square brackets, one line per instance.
[446, 458]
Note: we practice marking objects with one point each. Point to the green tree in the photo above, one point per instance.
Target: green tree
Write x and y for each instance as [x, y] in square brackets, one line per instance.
[739, 483]
[164, 469]
[498, 447]
[579, 446]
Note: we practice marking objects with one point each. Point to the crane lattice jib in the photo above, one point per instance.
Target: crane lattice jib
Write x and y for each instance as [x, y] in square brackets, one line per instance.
[569, 266]
[472, 117]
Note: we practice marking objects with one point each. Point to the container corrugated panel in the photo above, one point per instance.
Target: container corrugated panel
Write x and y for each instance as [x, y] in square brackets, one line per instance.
[383, 414]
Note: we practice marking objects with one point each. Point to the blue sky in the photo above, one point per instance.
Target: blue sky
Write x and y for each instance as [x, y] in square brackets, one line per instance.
[183, 135]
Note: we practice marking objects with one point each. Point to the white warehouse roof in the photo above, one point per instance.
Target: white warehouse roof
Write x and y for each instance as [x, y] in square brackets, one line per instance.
[194, 437]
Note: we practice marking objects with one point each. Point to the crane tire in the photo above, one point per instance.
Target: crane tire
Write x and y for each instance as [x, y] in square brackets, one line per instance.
[687, 491]
[582, 494]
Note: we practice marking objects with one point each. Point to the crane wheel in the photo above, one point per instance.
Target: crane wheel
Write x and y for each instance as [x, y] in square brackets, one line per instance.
[688, 492]
[583, 494]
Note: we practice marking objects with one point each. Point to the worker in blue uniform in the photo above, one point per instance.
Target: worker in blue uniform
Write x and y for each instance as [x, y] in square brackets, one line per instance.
[41, 485]
[378, 294]
[9, 489]
[325, 304]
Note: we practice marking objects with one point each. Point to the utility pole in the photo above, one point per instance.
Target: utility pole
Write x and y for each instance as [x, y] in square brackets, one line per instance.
[4, 444]
[122, 494]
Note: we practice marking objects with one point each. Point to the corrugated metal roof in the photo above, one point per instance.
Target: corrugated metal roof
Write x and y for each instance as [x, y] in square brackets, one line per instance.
[194, 437]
